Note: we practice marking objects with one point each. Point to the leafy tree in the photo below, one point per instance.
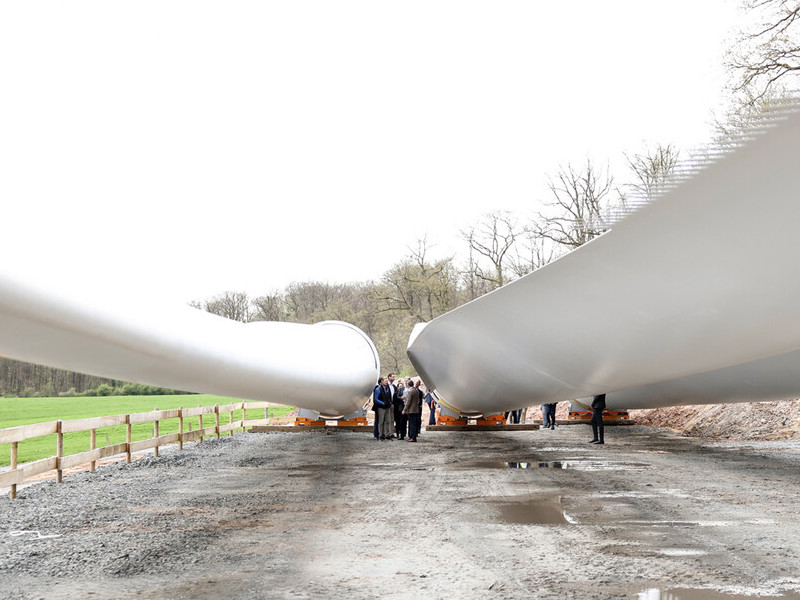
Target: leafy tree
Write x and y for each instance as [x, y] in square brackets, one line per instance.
[105, 389]
[392, 343]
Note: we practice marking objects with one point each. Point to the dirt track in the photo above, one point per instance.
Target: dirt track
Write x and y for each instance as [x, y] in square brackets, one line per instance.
[537, 514]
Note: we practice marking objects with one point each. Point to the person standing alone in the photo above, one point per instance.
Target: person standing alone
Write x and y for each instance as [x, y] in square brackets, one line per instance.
[598, 406]
[551, 415]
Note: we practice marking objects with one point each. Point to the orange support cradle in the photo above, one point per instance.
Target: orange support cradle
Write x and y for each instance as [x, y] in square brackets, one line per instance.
[302, 421]
[358, 421]
[445, 420]
[608, 415]
[491, 420]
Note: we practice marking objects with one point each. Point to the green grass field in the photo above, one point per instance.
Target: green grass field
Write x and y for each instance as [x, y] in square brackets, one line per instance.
[24, 411]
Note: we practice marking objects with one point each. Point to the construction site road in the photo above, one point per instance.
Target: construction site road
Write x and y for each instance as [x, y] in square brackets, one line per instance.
[490, 514]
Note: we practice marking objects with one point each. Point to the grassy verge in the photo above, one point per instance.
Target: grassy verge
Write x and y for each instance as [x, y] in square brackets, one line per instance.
[24, 411]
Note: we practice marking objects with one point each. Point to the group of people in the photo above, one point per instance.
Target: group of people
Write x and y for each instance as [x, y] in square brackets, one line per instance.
[398, 408]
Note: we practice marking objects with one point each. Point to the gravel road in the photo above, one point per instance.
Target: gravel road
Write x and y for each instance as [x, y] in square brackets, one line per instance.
[512, 514]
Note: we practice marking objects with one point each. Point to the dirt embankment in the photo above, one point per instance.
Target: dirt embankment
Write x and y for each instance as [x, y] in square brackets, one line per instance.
[755, 421]
[745, 421]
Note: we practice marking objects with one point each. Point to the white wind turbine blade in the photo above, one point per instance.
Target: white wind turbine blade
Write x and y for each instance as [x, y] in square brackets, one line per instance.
[693, 298]
[330, 367]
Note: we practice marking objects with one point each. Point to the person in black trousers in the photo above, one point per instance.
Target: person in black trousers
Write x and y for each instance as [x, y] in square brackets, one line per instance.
[598, 406]
[545, 415]
[551, 415]
[400, 418]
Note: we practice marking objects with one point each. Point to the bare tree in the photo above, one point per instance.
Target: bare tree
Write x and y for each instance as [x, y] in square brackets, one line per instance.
[653, 170]
[763, 65]
[473, 285]
[746, 114]
[581, 205]
[269, 307]
[532, 252]
[309, 302]
[493, 239]
[231, 305]
[419, 287]
[768, 54]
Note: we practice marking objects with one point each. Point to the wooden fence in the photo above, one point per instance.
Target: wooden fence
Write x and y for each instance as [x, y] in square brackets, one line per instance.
[58, 463]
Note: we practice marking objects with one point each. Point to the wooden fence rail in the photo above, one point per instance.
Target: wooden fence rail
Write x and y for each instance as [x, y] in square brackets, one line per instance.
[17, 474]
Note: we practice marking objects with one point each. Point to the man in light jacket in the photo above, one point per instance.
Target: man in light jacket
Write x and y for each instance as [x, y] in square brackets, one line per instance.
[413, 408]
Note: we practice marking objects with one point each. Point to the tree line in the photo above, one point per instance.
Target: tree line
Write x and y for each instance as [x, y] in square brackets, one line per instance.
[584, 201]
[26, 380]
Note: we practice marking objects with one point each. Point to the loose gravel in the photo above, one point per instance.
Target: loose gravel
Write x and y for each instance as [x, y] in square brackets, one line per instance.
[525, 514]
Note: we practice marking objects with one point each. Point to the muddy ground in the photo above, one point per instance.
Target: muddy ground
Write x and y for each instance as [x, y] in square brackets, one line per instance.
[523, 514]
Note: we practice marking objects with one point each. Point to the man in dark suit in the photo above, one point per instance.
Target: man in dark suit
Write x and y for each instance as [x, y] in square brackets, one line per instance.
[413, 410]
[598, 406]
[400, 419]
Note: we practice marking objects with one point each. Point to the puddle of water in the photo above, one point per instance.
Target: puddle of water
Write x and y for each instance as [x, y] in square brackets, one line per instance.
[698, 523]
[597, 465]
[695, 594]
[625, 494]
[497, 465]
[680, 552]
[678, 523]
[532, 510]
[578, 465]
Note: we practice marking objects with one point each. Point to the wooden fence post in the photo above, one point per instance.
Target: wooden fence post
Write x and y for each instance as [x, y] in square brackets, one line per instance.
[244, 416]
[13, 493]
[59, 451]
[155, 435]
[216, 418]
[230, 420]
[180, 428]
[128, 439]
[200, 422]
[93, 446]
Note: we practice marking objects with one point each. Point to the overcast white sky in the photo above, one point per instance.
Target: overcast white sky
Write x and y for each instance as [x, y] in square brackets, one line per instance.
[193, 147]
